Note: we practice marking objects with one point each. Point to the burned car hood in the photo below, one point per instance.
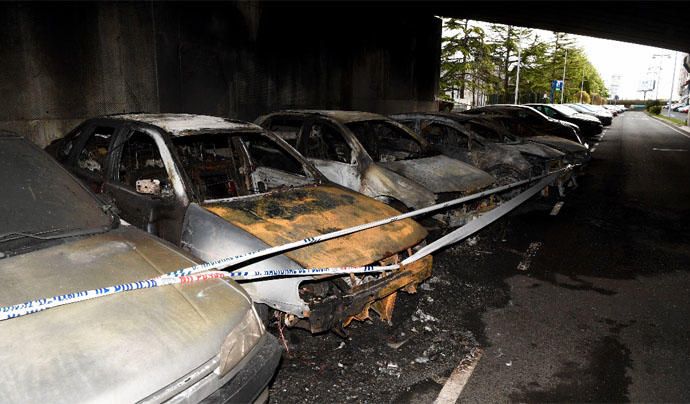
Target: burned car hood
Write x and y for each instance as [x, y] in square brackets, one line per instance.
[536, 149]
[564, 145]
[285, 216]
[118, 348]
[442, 174]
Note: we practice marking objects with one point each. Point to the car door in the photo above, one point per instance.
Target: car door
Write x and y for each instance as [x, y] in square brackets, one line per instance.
[140, 183]
[325, 146]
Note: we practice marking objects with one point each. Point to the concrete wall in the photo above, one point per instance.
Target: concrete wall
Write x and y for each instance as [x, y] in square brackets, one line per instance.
[62, 63]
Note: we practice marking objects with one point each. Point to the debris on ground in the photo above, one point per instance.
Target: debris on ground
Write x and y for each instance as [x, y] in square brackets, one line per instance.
[529, 254]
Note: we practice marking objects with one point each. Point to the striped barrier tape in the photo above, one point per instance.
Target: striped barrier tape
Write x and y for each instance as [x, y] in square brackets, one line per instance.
[202, 272]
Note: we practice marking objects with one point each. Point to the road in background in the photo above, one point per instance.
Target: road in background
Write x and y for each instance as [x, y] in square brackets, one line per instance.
[603, 313]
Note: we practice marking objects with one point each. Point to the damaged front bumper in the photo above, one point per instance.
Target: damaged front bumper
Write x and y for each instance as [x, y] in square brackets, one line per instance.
[343, 299]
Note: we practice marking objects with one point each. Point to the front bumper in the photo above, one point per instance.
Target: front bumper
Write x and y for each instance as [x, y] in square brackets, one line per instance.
[379, 294]
[250, 378]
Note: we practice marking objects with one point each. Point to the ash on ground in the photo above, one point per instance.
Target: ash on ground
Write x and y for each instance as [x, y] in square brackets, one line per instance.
[432, 331]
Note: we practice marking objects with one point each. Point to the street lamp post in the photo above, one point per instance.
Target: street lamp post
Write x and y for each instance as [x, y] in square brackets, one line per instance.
[582, 85]
[673, 81]
[565, 63]
[517, 79]
[658, 74]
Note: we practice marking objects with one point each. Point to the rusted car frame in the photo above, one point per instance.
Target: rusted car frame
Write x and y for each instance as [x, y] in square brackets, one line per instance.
[379, 157]
[219, 188]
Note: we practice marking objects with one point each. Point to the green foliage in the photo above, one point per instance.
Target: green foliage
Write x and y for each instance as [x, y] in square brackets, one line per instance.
[487, 61]
[655, 109]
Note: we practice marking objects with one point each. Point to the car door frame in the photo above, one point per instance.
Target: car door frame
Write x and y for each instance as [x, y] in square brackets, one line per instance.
[348, 175]
[166, 213]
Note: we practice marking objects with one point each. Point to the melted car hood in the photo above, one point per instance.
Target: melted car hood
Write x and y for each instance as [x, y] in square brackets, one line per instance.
[442, 174]
[118, 348]
[285, 216]
[564, 145]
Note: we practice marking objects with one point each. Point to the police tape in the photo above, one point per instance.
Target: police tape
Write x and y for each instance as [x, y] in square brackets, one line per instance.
[238, 259]
[203, 272]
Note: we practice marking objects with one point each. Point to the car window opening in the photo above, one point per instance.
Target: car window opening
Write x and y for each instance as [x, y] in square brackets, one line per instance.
[227, 166]
[386, 142]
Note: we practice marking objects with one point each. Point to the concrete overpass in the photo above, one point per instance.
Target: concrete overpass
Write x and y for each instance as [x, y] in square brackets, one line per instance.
[63, 62]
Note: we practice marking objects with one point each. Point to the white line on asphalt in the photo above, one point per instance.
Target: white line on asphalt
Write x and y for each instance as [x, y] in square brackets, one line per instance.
[593, 149]
[556, 208]
[458, 379]
[671, 150]
[671, 127]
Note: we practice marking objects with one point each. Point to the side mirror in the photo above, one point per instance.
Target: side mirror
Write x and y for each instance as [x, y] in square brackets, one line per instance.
[148, 187]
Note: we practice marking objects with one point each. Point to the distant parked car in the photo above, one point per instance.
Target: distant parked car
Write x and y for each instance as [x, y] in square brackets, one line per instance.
[589, 126]
[605, 117]
[182, 343]
[683, 108]
[220, 187]
[448, 135]
[531, 122]
[379, 157]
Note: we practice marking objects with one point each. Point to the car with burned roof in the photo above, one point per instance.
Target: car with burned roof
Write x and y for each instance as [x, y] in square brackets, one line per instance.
[183, 343]
[448, 134]
[575, 153]
[589, 125]
[219, 187]
[530, 122]
[382, 158]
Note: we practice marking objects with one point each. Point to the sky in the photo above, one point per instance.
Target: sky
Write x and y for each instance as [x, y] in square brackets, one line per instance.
[631, 62]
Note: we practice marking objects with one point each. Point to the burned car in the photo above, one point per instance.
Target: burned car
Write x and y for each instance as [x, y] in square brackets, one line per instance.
[575, 153]
[589, 125]
[528, 122]
[448, 134]
[379, 157]
[183, 343]
[219, 188]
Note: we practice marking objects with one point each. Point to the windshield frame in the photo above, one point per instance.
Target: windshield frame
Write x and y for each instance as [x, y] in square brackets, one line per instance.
[426, 149]
[312, 173]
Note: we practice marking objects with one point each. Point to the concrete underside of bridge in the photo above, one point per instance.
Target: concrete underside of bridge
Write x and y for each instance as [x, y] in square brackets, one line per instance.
[62, 63]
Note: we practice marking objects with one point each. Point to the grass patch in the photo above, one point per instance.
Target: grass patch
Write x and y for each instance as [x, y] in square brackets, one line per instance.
[676, 121]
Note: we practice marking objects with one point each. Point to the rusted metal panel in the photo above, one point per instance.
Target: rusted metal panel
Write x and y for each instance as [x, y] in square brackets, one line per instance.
[290, 215]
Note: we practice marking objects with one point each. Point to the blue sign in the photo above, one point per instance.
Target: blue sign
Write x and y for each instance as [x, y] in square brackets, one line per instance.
[557, 85]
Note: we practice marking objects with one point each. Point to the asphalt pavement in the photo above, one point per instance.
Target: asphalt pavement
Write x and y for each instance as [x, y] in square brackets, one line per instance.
[603, 312]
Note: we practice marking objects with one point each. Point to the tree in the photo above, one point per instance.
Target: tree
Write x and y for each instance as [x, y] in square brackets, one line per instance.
[465, 59]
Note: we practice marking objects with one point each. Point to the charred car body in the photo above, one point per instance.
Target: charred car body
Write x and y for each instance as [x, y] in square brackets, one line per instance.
[379, 157]
[220, 188]
[182, 343]
[449, 135]
[575, 153]
[529, 122]
[589, 125]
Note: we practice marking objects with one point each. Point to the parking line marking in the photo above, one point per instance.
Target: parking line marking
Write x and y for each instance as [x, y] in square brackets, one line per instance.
[671, 150]
[458, 379]
[593, 149]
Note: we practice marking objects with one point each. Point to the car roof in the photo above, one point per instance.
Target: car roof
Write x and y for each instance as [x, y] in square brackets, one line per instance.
[188, 124]
[455, 116]
[339, 115]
